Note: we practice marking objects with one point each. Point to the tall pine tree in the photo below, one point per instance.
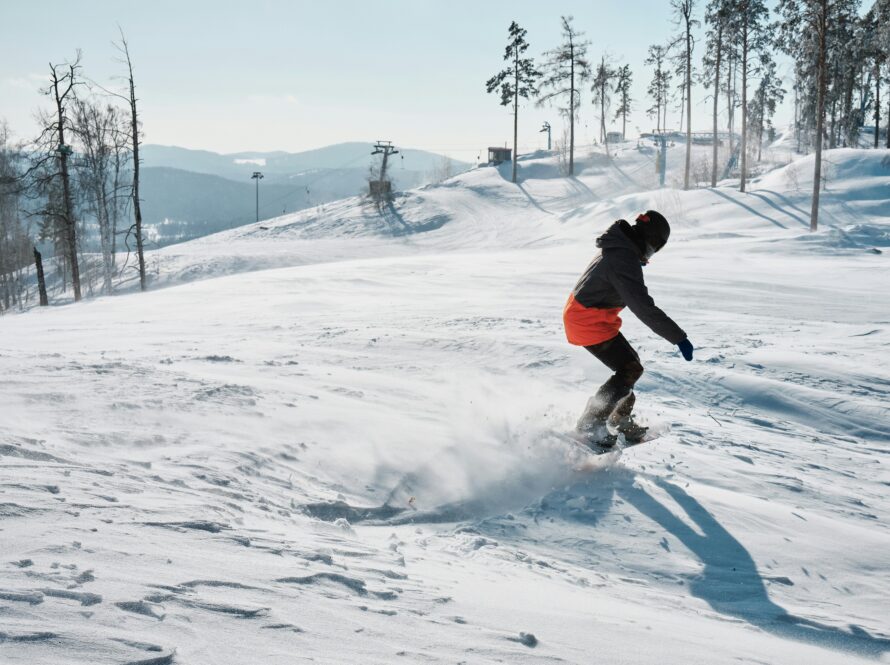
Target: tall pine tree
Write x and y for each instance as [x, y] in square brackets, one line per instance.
[518, 80]
[660, 85]
[565, 70]
[684, 9]
[602, 90]
[751, 35]
[717, 16]
[803, 33]
[623, 85]
[768, 94]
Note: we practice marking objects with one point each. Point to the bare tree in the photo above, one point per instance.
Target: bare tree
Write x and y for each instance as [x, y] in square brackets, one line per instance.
[131, 101]
[64, 79]
[565, 70]
[14, 240]
[442, 170]
[101, 133]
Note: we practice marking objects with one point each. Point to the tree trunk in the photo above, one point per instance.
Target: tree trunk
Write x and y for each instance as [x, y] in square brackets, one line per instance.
[760, 141]
[515, 113]
[682, 106]
[572, 113]
[134, 126]
[603, 113]
[847, 111]
[688, 103]
[730, 73]
[820, 114]
[877, 103]
[105, 239]
[70, 222]
[41, 280]
[624, 117]
[716, 100]
[832, 132]
[744, 148]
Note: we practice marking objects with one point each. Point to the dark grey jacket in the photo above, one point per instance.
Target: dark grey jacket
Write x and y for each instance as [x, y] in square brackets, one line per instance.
[615, 279]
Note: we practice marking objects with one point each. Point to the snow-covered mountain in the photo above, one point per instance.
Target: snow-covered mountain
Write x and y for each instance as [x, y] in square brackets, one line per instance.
[339, 436]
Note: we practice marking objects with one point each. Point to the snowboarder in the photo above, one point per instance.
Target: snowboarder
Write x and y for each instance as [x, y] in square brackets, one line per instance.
[613, 280]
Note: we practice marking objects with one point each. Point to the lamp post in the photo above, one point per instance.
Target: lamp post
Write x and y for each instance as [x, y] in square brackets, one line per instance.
[257, 176]
[546, 128]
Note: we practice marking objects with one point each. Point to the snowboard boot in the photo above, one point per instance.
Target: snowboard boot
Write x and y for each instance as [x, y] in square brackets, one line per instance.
[633, 432]
[594, 426]
[622, 421]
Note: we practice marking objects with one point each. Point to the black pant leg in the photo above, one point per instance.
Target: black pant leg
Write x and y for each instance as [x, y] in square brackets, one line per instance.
[618, 355]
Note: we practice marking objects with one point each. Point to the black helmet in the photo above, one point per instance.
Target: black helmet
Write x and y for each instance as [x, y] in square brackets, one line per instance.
[654, 230]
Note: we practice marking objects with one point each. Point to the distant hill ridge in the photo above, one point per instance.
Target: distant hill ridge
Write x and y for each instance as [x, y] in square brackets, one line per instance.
[241, 165]
[191, 193]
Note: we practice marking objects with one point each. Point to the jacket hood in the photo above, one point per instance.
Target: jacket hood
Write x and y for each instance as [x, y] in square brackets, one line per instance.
[621, 235]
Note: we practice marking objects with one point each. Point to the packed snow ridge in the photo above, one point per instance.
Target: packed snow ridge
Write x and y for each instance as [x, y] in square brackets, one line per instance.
[338, 436]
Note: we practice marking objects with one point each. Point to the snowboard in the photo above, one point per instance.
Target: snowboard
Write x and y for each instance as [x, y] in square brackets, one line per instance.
[596, 447]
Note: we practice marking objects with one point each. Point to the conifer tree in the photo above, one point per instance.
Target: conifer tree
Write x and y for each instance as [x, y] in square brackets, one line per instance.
[684, 10]
[717, 16]
[565, 70]
[768, 94]
[518, 80]
[660, 85]
[623, 84]
[750, 17]
[602, 89]
[803, 34]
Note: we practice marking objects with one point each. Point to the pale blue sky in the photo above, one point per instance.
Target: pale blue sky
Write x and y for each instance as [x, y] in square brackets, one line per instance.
[266, 75]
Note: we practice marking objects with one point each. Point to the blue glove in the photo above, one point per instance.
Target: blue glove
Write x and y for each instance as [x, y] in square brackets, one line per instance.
[686, 348]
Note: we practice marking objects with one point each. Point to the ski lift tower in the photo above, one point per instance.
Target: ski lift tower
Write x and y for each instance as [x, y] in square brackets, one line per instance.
[546, 128]
[382, 188]
[660, 139]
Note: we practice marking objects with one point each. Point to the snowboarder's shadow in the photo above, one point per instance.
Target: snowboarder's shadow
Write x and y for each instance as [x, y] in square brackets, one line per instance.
[730, 582]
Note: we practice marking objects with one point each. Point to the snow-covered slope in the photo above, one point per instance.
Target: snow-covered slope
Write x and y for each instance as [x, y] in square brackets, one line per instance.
[347, 446]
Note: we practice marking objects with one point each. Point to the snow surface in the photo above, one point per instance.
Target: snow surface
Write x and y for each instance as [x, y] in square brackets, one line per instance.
[339, 437]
